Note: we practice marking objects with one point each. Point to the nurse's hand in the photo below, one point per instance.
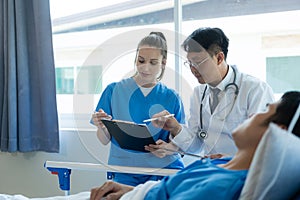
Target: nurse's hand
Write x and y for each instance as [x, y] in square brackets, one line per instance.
[110, 191]
[97, 116]
[162, 148]
[167, 123]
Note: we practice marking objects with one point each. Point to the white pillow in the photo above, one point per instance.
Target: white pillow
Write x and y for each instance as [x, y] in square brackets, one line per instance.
[275, 169]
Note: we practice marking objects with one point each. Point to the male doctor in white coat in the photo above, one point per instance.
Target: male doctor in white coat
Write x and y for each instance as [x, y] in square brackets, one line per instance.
[238, 96]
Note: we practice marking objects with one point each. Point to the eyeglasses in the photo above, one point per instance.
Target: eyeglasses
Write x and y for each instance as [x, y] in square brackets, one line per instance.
[191, 64]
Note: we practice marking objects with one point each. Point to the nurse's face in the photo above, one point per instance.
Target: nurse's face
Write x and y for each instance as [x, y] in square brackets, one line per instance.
[249, 133]
[204, 67]
[149, 63]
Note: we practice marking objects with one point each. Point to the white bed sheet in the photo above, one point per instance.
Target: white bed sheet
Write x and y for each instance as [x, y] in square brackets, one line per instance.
[138, 193]
[78, 196]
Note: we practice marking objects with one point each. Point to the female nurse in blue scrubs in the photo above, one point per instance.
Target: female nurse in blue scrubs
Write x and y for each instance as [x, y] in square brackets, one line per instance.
[135, 99]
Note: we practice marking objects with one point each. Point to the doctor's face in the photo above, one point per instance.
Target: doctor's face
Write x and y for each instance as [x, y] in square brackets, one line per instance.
[203, 66]
[249, 133]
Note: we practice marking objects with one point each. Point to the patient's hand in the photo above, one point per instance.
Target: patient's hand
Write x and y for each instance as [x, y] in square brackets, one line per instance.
[162, 148]
[110, 190]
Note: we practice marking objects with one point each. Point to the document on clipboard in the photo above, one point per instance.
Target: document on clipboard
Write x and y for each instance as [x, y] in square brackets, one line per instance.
[129, 135]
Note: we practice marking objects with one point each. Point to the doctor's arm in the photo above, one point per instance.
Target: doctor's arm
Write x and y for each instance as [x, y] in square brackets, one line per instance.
[167, 123]
[187, 139]
[181, 137]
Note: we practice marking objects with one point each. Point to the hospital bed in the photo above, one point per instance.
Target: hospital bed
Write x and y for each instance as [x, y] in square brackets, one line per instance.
[63, 171]
[274, 172]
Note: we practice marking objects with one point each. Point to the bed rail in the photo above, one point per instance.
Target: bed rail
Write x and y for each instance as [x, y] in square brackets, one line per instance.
[63, 171]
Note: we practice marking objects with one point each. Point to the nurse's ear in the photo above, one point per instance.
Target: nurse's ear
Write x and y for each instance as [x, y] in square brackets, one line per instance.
[164, 62]
[163, 68]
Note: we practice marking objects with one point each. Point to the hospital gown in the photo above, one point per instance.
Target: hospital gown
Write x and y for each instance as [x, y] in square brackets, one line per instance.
[201, 180]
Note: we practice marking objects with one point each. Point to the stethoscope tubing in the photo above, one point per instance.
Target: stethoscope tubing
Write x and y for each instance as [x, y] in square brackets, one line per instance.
[203, 134]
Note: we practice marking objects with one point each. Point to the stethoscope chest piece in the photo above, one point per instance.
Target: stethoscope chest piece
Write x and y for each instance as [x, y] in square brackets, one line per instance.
[202, 134]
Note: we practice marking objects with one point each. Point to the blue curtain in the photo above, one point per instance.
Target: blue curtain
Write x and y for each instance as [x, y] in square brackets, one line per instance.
[28, 112]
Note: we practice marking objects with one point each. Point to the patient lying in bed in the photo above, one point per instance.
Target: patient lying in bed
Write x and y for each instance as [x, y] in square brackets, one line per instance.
[219, 178]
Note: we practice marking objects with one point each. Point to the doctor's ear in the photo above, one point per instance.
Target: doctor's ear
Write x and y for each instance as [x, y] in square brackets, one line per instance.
[220, 57]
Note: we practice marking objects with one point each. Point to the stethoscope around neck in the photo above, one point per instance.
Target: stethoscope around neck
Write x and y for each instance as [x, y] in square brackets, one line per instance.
[202, 133]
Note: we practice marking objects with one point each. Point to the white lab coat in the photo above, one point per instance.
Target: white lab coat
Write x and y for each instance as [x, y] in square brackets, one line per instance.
[253, 96]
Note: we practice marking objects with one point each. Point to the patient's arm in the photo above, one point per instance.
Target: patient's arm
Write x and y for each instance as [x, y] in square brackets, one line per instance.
[110, 190]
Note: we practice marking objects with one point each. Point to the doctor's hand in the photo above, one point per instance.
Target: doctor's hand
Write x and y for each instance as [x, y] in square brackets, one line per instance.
[97, 116]
[110, 191]
[162, 148]
[167, 123]
[215, 156]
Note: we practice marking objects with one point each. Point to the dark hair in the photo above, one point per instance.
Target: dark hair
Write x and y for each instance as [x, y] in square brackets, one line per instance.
[157, 40]
[213, 40]
[286, 110]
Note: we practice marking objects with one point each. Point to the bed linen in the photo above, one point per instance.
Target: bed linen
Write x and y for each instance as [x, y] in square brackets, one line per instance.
[78, 196]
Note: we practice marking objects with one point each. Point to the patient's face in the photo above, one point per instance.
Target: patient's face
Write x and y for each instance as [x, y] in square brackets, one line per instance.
[250, 132]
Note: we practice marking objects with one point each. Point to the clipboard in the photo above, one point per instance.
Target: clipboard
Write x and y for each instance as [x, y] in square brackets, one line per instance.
[129, 135]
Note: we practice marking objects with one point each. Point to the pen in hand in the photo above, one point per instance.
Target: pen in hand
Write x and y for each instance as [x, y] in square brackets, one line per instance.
[182, 152]
[152, 119]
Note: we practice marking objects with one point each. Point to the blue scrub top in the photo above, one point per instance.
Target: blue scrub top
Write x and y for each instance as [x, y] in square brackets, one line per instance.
[125, 101]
